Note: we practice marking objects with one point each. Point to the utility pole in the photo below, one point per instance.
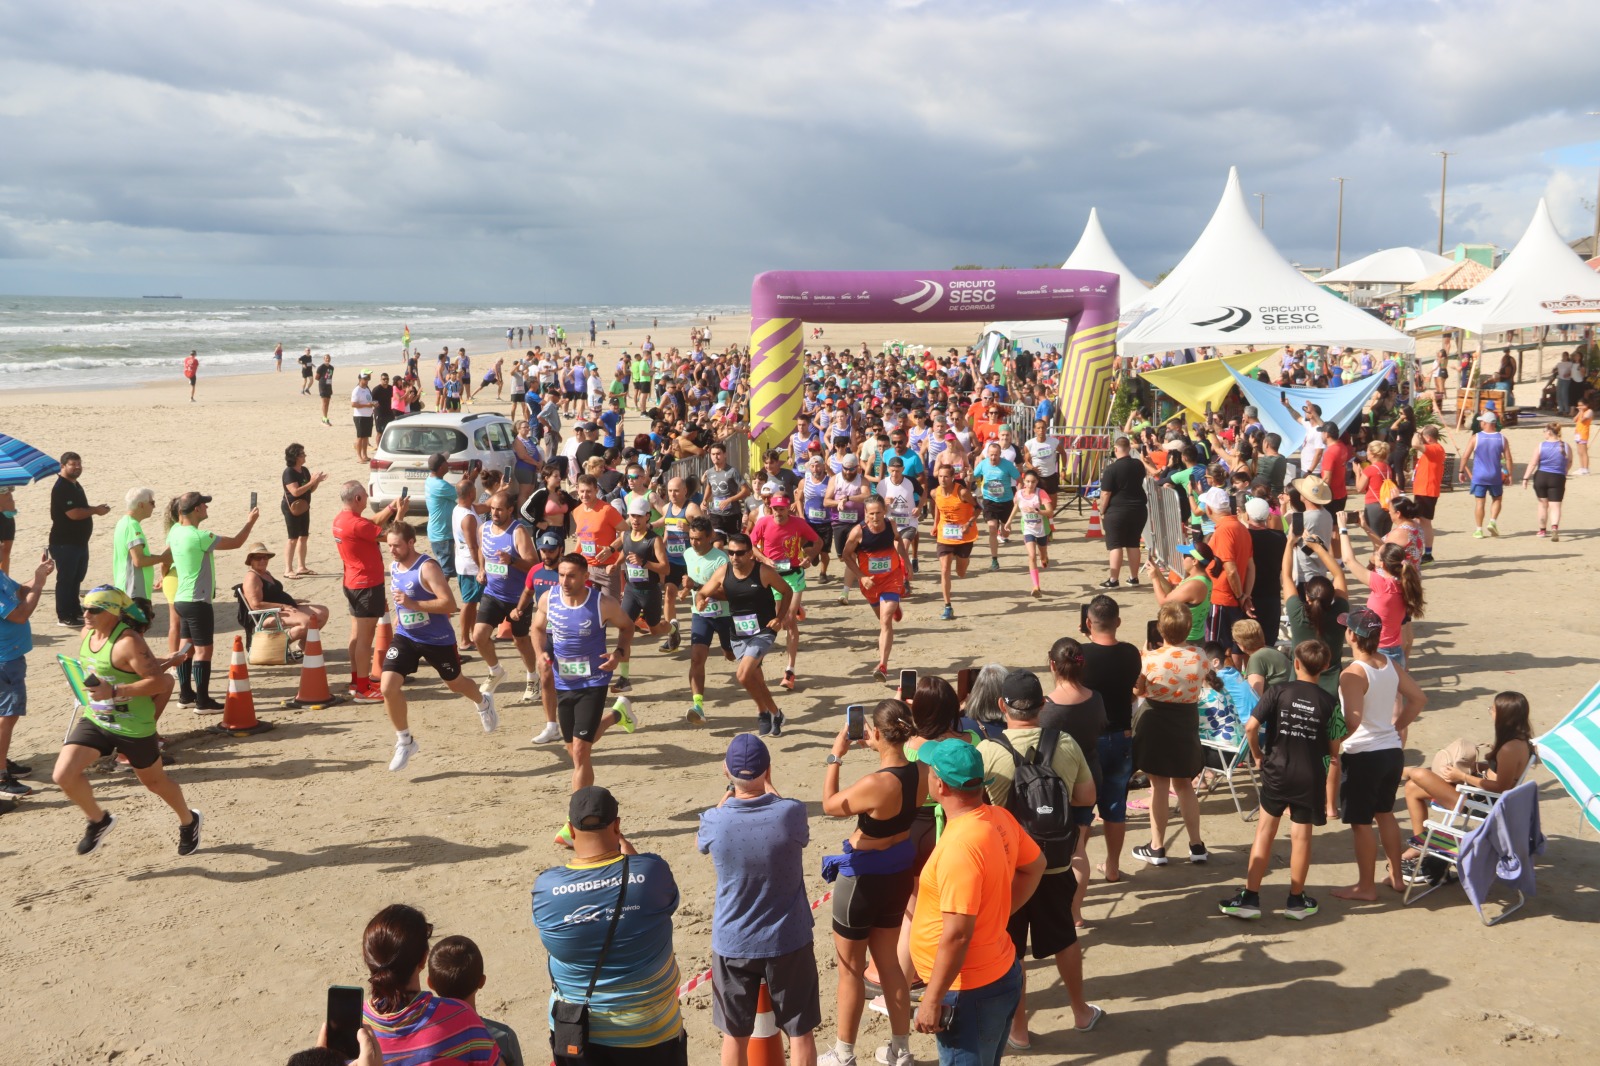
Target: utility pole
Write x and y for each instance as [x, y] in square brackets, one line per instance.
[1594, 245]
[1444, 173]
[1263, 198]
[1338, 232]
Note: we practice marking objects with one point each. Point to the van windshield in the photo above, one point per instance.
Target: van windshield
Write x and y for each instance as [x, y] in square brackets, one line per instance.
[401, 439]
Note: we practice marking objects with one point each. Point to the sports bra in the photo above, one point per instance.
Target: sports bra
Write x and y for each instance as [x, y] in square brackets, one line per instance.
[882, 828]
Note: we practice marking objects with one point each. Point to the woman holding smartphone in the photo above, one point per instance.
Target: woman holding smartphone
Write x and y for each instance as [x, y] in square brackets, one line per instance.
[874, 874]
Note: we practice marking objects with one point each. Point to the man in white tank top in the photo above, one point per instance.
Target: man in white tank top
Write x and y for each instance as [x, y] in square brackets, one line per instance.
[464, 529]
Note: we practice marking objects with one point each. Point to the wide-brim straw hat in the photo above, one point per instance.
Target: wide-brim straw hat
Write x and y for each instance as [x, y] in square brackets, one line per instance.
[258, 547]
[1313, 489]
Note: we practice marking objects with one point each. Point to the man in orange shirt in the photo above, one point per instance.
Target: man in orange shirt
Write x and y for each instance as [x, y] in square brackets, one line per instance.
[598, 526]
[985, 417]
[1426, 481]
[982, 870]
[1230, 594]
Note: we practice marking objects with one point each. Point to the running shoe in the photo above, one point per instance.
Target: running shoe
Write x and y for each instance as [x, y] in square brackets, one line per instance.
[696, 715]
[1004, 541]
[948, 613]
[1198, 854]
[1555, 534]
[1109, 583]
[1153, 856]
[833, 1058]
[189, 835]
[1541, 534]
[994, 564]
[800, 614]
[763, 724]
[207, 706]
[95, 834]
[497, 674]
[1427, 558]
[10, 786]
[1242, 904]
[487, 714]
[551, 731]
[788, 680]
[186, 702]
[915, 569]
[880, 674]
[621, 684]
[1035, 593]
[675, 638]
[1493, 527]
[844, 597]
[564, 836]
[1133, 582]
[777, 725]
[366, 694]
[1300, 908]
[626, 718]
[530, 694]
[16, 769]
[1477, 534]
[888, 1057]
[403, 750]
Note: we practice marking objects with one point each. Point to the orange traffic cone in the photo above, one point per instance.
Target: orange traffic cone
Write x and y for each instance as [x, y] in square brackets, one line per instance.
[504, 632]
[314, 692]
[1094, 532]
[239, 710]
[766, 1046]
[382, 637]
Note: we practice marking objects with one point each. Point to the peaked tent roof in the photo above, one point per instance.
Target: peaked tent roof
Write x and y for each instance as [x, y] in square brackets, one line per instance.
[1541, 283]
[1094, 252]
[1233, 288]
[1392, 266]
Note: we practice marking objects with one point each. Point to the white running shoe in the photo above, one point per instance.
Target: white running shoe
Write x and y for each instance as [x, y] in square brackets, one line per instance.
[888, 1058]
[487, 714]
[551, 731]
[530, 694]
[403, 750]
[627, 717]
[497, 674]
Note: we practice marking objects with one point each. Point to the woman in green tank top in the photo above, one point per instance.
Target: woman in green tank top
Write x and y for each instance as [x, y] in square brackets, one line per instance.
[1193, 593]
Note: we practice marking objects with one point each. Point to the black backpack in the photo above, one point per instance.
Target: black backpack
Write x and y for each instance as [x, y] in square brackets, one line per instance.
[1040, 800]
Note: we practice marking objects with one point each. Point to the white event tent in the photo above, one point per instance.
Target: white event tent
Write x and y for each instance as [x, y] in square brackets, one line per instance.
[1233, 288]
[1094, 252]
[1392, 266]
[1542, 282]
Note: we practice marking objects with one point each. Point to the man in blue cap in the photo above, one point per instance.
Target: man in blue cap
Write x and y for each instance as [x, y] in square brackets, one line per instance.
[983, 868]
[761, 928]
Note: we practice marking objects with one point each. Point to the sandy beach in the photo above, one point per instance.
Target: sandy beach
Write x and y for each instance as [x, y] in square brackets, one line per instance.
[137, 956]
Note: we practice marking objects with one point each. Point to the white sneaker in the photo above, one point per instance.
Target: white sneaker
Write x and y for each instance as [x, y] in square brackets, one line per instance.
[833, 1058]
[903, 1059]
[403, 750]
[551, 731]
[530, 694]
[497, 674]
[487, 714]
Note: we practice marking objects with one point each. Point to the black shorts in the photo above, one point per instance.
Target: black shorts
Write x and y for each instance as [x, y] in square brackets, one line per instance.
[1219, 624]
[1047, 916]
[366, 603]
[870, 901]
[1378, 519]
[1425, 506]
[996, 510]
[325, 391]
[1309, 809]
[1550, 487]
[1123, 528]
[518, 397]
[791, 981]
[1051, 483]
[405, 654]
[491, 612]
[824, 532]
[197, 621]
[141, 751]
[305, 372]
[960, 551]
[671, 1052]
[1368, 783]
[363, 426]
[1337, 506]
[8, 527]
[579, 710]
[729, 523]
[841, 533]
[295, 525]
[643, 600]
[677, 573]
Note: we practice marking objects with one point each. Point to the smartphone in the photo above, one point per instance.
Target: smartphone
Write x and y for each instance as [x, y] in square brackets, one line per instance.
[405, 490]
[252, 501]
[947, 1011]
[1283, 396]
[344, 1019]
[1152, 635]
[908, 685]
[855, 717]
[1083, 618]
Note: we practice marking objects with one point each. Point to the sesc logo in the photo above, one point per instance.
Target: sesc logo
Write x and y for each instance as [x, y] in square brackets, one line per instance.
[930, 293]
[1232, 318]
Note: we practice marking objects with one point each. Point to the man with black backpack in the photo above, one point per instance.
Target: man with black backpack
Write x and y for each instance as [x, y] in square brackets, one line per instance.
[1038, 775]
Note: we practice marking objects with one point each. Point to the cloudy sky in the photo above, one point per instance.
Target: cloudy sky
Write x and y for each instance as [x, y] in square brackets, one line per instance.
[651, 150]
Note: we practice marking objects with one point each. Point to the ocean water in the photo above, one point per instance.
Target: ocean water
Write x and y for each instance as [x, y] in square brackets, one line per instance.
[53, 342]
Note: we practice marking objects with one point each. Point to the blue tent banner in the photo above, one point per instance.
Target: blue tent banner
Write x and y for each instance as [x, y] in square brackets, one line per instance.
[1341, 406]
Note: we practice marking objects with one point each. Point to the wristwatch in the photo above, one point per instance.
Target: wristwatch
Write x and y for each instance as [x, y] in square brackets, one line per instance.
[833, 760]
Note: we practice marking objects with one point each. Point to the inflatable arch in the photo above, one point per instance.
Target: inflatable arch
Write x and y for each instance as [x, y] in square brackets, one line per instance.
[782, 302]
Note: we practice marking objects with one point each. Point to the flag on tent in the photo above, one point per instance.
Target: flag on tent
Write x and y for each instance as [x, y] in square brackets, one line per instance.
[405, 338]
[1340, 406]
[1207, 382]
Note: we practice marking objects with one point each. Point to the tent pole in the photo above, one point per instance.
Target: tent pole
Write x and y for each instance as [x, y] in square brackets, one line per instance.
[1544, 331]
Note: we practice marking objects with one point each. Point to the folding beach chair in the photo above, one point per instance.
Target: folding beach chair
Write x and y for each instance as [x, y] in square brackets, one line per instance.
[269, 621]
[1233, 750]
[1447, 828]
[1572, 752]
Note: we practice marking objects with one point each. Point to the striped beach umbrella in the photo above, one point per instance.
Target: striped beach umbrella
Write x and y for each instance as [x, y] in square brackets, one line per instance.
[1571, 751]
[23, 464]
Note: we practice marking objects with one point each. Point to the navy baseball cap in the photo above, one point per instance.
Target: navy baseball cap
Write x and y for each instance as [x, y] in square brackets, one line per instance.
[748, 758]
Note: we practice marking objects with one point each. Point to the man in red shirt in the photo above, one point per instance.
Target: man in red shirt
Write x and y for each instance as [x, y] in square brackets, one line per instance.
[357, 537]
[1230, 592]
[1427, 481]
[1335, 459]
[787, 543]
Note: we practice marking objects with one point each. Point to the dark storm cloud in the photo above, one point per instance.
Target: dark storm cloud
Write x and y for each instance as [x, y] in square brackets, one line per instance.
[634, 150]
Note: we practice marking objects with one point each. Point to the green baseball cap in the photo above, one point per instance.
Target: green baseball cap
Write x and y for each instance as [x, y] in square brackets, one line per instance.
[957, 763]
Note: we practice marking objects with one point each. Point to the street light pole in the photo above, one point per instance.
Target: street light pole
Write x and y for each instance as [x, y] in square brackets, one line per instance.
[1444, 173]
[1338, 233]
[1263, 198]
[1594, 245]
